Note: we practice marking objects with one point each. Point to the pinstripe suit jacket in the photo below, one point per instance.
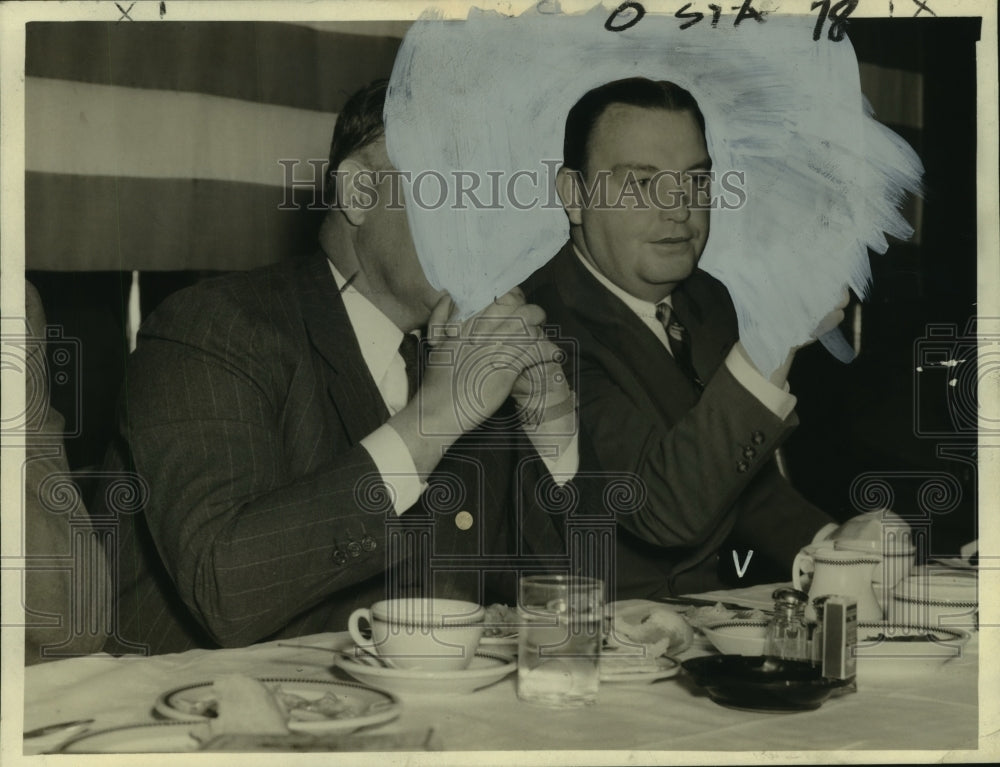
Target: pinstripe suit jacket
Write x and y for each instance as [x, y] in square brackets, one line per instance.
[243, 409]
[705, 462]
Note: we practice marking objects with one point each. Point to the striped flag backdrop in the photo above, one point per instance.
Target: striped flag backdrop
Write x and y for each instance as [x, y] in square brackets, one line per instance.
[156, 146]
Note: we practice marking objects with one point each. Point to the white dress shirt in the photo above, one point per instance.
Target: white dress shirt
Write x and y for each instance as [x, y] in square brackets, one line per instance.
[379, 339]
[778, 401]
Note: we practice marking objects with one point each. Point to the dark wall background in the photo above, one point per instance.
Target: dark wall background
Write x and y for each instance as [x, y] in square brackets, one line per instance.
[879, 416]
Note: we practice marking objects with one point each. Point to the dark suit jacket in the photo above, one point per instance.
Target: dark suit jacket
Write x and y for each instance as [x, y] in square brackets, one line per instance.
[243, 409]
[705, 462]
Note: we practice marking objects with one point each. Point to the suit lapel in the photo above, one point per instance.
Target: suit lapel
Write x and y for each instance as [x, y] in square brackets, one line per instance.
[616, 328]
[349, 383]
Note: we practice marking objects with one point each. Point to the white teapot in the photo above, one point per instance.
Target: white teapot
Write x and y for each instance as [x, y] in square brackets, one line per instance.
[842, 572]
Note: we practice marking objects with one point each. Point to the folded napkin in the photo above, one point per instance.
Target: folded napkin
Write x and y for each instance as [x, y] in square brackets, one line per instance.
[246, 706]
[654, 628]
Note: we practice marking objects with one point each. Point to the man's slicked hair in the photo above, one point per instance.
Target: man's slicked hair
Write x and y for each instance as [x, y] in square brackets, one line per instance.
[634, 91]
[359, 124]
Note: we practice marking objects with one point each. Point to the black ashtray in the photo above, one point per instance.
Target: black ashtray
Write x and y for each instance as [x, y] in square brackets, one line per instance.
[762, 684]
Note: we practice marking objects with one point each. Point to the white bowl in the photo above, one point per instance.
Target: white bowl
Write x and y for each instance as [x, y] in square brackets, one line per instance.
[887, 650]
[487, 667]
[737, 637]
[937, 599]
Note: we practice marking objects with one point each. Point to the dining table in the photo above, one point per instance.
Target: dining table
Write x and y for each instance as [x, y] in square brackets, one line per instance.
[930, 710]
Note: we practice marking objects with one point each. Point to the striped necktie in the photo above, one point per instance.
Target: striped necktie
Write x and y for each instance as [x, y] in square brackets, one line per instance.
[680, 343]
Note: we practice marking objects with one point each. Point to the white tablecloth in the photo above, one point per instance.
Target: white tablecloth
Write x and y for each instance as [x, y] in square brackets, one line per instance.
[936, 710]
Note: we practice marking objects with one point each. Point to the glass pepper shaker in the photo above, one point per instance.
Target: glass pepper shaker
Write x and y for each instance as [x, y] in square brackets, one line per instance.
[787, 634]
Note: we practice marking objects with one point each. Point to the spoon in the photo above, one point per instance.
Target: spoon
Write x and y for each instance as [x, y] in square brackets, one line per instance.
[368, 658]
[48, 729]
[379, 660]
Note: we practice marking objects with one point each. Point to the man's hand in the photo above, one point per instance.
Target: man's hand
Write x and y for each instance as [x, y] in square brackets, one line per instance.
[828, 323]
[471, 369]
[474, 364]
[542, 389]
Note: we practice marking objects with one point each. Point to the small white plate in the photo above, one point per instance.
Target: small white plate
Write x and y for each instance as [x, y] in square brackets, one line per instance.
[151, 738]
[666, 668]
[487, 667]
[361, 706]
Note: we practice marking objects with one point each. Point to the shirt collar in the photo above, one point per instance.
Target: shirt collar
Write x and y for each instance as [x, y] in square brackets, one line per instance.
[377, 335]
[640, 306]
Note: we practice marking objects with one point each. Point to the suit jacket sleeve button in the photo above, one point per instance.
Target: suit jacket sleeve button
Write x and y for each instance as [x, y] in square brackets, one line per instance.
[742, 467]
[749, 452]
[354, 549]
[757, 438]
[463, 520]
[368, 543]
[339, 557]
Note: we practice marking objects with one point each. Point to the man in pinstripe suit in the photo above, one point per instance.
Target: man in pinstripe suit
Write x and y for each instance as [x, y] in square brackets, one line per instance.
[291, 476]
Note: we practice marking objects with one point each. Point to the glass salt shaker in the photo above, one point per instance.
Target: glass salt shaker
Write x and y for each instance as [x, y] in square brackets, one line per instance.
[787, 634]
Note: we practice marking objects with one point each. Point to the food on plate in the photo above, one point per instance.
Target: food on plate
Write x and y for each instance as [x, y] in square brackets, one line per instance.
[500, 620]
[710, 616]
[657, 627]
[239, 697]
[881, 637]
[330, 706]
[246, 705]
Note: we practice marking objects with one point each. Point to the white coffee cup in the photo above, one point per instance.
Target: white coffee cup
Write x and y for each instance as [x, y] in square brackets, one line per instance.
[420, 633]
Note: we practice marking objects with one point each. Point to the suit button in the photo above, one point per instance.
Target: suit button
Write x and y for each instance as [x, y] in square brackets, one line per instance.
[368, 543]
[757, 438]
[749, 452]
[463, 520]
[742, 467]
[339, 557]
[354, 549]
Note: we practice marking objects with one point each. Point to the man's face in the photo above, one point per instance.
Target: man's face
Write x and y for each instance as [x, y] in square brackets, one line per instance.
[645, 237]
[386, 247]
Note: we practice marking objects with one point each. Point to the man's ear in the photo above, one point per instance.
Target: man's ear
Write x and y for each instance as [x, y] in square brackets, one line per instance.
[356, 192]
[568, 187]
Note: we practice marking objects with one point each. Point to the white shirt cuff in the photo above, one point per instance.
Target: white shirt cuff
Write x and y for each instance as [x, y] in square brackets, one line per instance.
[778, 401]
[564, 466]
[395, 464]
[824, 532]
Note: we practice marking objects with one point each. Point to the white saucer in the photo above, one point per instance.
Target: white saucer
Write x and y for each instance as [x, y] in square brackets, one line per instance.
[487, 667]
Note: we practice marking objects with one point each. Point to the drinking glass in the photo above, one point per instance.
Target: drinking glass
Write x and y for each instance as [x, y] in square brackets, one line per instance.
[559, 639]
